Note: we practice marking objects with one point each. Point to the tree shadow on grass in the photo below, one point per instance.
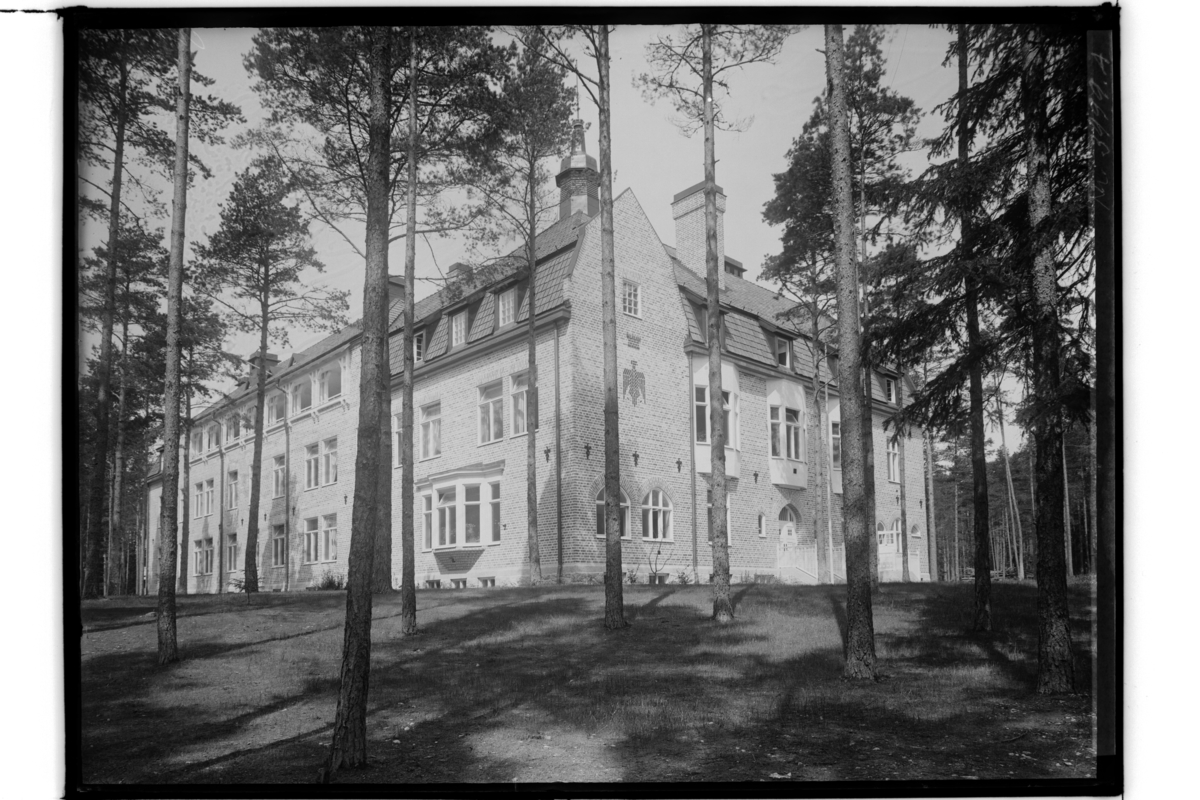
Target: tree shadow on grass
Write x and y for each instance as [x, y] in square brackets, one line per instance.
[489, 693]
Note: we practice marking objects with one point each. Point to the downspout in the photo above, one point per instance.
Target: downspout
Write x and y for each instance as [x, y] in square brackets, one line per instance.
[287, 503]
[558, 452]
[829, 477]
[692, 457]
[221, 516]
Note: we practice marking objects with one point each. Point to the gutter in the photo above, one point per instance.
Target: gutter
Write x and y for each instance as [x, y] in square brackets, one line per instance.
[558, 451]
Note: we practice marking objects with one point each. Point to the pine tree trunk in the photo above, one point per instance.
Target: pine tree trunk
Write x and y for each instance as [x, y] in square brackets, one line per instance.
[1055, 660]
[118, 462]
[1101, 81]
[408, 578]
[93, 563]
[1012, 492]
[817, 457]
[860, 634]
[930, 511]
[905, 574]
[614, 599]
[185, 493]
[250, 566]
[349, 746]
[722, 601]
[531, 393]
[983, 566]
[1067, 539]
[381, 561]
[168, 645]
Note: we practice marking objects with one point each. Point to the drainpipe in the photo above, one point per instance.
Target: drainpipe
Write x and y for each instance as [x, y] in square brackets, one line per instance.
[558, 451]
[829, 480]
[287, 503]
[221, 516]
[692, 458]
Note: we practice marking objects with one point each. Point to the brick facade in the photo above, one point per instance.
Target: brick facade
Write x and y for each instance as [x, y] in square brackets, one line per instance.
[661, 360]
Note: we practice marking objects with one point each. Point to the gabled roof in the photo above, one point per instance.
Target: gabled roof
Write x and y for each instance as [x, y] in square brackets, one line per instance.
[554, 250]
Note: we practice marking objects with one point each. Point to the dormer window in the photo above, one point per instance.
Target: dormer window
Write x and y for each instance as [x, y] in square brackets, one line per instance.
[419, 346]
[302, 396]
[330, 381]
[507, 302]
[458, 329]
[783, 352]
[889, 389]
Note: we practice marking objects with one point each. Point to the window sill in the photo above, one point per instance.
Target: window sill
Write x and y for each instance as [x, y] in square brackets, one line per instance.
[301, 414]
[428, 458]
[271, 427]
[493, 441]
[657, 541]
[623, 538]
[330, 403]
[635, 316]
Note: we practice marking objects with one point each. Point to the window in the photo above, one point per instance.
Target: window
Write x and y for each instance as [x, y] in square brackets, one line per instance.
[312, 540]
[278, 547]
[214, 436]
[231, 490]
[330, 382]
[233, 427]
[762, 526]
[631, 298]
[701, 320]
[447, 518]
[491, 412]
[197, 442]
[507, 306]
[427, 519]
[793, 431]
[656, 516]
[276, 408]
[520, 409]
[893, 459]
[701, 403]
[776, 434]
[329, 460]
[783, 352]
[231, 552]
[197, 557]
[728, 518]
[302, 396]
[198, 504]
[471, 515]
[208, 497]
[419, 346]
[312, 467]
[835, 443]
[458, 583]
[889, 390]
[458, 329]
[279, 471]
[204, 566]
[624, 515]
[495, 513]
[329, 537]
[431, 430]
[487, 583]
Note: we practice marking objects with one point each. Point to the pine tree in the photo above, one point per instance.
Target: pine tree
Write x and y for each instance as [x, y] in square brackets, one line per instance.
[253, 266]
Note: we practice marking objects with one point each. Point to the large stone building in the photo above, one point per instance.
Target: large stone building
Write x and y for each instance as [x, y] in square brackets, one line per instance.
[470, 426]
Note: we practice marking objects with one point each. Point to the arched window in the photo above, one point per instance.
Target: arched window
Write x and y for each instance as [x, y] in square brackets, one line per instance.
[788, 514]
[624, 514]
[916, 531]
[880, 534]
[656, 515]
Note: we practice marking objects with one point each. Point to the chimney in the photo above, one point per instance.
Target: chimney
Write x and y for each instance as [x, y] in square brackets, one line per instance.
[688, 210]
[256, 359]
[578, 179]
[458, 271]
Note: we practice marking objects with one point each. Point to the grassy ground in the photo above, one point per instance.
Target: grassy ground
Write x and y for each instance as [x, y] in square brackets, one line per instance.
[524, 685]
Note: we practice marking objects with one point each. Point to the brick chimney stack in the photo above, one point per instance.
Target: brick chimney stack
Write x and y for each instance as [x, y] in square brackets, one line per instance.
[578, 179]
[256, 359]
[688, 211]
